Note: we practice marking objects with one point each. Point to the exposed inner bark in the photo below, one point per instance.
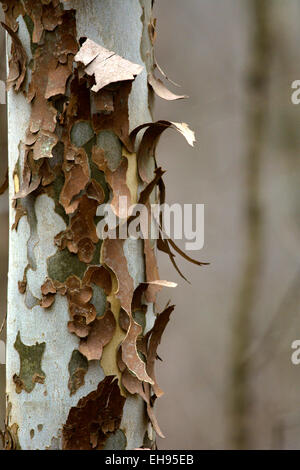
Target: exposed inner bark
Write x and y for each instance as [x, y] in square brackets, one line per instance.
[79, 152]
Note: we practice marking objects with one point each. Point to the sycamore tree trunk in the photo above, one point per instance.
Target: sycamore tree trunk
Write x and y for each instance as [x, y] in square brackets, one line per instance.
[56, 124]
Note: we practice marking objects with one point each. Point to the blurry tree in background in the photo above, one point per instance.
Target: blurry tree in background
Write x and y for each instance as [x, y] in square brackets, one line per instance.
[247, 173]
[257, 83]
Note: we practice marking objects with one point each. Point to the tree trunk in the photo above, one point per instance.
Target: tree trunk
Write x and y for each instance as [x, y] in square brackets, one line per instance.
[258, 83]
[46, 374]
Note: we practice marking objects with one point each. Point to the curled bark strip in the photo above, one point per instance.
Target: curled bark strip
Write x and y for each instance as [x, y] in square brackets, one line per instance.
[154, 341]
[185, 256]
[163, 244]
[152, 275]
[133, 385]
[17, 62]
[164, 241]
[130, 354]
[112, 255]
[147, 191]
[156, 65]
[145, 194]
[181, 127]
[12, 9]
[161, 90]
[150, 411]
[162, 283]
[149, 142]
[147, 345]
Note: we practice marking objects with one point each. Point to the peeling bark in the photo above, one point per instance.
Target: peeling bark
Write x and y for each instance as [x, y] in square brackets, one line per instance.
[83, 306]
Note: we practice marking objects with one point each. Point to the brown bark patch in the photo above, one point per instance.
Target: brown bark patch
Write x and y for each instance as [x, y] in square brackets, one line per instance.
[95, 417]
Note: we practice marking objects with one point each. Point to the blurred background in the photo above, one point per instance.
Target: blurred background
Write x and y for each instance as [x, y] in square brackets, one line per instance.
[227, 373]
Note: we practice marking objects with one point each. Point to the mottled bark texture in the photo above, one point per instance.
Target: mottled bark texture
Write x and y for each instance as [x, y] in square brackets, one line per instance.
[82, 327]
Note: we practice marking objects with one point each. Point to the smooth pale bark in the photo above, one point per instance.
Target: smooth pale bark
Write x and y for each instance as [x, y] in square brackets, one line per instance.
[121, 26]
